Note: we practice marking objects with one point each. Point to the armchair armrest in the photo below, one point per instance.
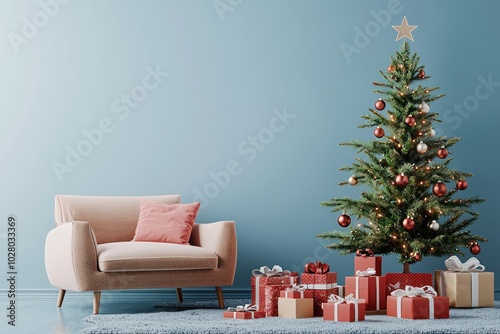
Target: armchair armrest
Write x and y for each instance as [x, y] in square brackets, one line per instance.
[221, 238]
[71, 256]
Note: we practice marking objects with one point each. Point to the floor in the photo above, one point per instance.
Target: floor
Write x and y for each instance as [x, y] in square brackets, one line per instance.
[39, 315]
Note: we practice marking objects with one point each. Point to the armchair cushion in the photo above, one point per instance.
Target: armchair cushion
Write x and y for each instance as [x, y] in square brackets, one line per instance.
[166, 222]
[153, 256]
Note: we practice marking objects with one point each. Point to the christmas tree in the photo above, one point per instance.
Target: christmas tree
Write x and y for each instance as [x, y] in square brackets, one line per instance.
[408, 206]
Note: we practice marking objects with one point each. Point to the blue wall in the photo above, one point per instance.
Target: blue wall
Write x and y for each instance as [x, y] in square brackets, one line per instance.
[231, 72]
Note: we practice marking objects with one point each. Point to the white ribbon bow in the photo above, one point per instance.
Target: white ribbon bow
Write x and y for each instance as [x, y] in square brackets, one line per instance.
[410, 291]
[349, 299]
[241, 308]
[265, 271]
[295, 287]
[472, 264]
[367, 272]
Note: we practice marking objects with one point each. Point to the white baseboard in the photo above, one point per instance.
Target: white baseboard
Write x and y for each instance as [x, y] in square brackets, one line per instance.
[142, 294]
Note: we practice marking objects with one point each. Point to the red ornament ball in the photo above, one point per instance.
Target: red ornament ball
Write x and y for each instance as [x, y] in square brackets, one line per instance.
[442, 152]
[391, 68]
[401, 180]
[475, 249]
[380, 104]
[408, 223]
[462, 184]
[379, 132]
[344, 220]
[416, 256]
[439, 189]
[410, 120]
[421, 75]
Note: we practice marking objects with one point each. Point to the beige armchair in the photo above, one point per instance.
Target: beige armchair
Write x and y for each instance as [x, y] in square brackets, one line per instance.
[91, 250]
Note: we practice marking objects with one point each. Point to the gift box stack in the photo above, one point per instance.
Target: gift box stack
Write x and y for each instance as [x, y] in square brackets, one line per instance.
[368, 282]
[465, 284]
[321, 282]
[267, 285]
[276, 292]
[296, 302]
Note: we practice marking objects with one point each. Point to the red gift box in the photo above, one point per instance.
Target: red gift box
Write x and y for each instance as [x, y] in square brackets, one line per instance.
[344, 312]
[245, 315]
[369, 288]
[396, 281]
[418, 307]
[272, 292]
[322, 285]
[259, 284]
[363, 263]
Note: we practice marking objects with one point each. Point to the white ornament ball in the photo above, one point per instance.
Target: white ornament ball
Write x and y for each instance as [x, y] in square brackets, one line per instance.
[434, 225]
[353, 180]
[431, 132]
[424, 107]
[422, 147]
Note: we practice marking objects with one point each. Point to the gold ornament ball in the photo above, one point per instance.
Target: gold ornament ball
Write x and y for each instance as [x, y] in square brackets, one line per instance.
[434, 225]
[424, 108]
[431, 132]
[422, 147]
[353, 180]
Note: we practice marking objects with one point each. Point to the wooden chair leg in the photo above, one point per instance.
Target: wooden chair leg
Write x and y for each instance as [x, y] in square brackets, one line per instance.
[220, 297]
[179, 295]
[60, 298]
[97, 301]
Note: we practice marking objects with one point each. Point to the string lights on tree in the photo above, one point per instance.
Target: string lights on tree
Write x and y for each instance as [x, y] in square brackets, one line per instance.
[409, 206]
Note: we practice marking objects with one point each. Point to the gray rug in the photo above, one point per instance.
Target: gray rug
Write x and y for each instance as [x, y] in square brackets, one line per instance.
[205, 317]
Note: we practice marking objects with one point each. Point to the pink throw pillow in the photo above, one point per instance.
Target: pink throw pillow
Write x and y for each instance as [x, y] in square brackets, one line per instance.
[170, 223]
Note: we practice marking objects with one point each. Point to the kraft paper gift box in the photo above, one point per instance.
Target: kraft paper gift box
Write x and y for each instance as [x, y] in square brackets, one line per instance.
[296, 303]
[259, 282]
[322, 285]
[422, 305]
[369, 288]
[244, 312]
[394, 281]
[295, 308]
[363, 263]
[344, 312]
[464, 285]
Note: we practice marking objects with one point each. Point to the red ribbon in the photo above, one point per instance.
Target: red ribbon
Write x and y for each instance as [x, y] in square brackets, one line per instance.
[364, 253]
[316, 268]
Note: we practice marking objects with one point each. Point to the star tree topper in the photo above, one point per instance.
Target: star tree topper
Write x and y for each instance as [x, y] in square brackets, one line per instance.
[404, 30]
